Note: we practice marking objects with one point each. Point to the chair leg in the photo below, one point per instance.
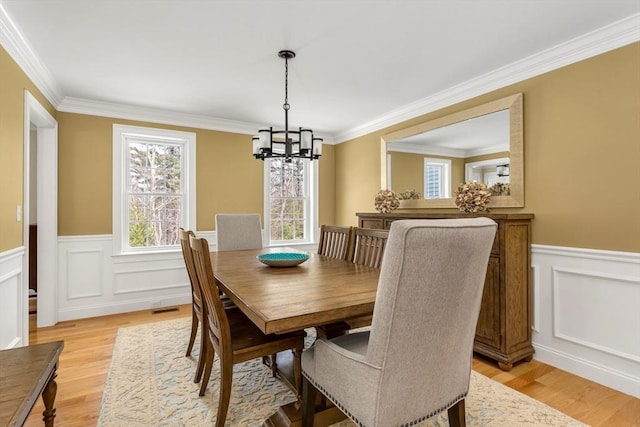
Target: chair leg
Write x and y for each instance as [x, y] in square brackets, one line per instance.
[205, 349]
[226, 381]
[208, 365]
[274, 364]
[457, 415]
[194, 331]
[297, 371]
[308, 402]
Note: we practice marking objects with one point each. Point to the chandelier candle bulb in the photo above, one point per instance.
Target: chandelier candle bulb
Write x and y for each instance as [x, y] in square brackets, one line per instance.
[317, 147]
[305, 139]
[263, 137]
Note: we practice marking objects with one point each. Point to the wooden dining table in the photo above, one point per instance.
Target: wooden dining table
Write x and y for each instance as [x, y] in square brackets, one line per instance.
[318, 292]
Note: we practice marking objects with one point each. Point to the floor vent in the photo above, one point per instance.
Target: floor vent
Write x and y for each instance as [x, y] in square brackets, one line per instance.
[164, 310]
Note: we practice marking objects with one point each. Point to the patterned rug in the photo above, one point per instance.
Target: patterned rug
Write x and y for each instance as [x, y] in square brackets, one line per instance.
[150, 383]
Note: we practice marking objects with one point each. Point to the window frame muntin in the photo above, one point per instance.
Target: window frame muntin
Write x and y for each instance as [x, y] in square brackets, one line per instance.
[311, 205]
[121, 134]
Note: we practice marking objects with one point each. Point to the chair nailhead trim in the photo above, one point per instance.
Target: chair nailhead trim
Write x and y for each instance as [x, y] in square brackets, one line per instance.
[360, 424]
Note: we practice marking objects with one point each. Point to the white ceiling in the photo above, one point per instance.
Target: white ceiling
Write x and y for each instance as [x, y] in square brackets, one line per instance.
[357, 61]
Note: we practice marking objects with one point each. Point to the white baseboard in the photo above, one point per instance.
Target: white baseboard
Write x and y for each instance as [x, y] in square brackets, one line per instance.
[108, 308]
[615, 379]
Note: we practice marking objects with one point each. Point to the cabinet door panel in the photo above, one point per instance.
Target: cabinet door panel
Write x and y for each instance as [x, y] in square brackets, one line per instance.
[518, 290]
[488, 328]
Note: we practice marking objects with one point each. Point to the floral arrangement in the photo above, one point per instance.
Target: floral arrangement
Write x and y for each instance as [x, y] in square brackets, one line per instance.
[386, 201]
[409, 195]
[500, 189]
[473, 197]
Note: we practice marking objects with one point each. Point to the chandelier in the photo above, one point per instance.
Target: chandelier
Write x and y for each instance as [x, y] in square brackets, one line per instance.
[287, 143]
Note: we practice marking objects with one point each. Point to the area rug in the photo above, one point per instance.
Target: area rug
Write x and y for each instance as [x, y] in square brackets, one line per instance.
[150, 383]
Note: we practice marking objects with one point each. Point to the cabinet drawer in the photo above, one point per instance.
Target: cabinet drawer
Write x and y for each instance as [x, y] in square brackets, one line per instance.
[372, 223]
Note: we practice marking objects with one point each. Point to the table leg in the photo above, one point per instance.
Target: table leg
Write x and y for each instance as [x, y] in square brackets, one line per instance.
[332, 330]
[49, 397]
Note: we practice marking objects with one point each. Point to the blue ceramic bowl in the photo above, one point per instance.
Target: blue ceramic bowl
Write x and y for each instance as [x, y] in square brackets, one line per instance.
[283, 259]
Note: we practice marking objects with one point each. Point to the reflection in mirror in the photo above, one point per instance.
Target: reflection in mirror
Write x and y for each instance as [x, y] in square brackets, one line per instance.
[483, 143]
[439, 158]
[489, 172]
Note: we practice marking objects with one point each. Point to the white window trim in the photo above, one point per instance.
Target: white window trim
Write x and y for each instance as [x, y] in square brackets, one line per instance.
[311, 206]
[445, 184]
[120, 215]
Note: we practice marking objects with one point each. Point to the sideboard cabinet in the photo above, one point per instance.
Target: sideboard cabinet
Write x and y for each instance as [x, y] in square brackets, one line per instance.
[503, 332]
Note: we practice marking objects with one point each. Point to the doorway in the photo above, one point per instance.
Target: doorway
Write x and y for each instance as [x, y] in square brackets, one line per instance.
[41, 196]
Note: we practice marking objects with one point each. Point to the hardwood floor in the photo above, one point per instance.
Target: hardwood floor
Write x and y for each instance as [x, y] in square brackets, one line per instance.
[89, 343]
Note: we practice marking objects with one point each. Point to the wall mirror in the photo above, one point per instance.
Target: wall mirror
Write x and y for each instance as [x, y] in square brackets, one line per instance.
[483, 143]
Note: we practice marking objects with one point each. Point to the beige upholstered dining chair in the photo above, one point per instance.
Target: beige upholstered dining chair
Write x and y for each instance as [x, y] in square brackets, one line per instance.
[335, 241]
[237, 232]
[232, 335]
[416, 360]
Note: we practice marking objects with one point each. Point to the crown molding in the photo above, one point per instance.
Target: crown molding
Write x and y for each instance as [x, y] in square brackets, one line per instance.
[604, 39]
[154, 115]
[17, 47]
[402, 147]
[599, 41]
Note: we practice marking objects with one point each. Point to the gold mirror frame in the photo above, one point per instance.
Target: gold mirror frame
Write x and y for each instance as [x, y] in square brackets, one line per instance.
[516, 151]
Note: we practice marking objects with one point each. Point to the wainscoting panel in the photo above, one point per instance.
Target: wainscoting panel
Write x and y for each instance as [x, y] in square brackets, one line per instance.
[536, 315]
[95, 282]
[593, 295]
[85, 278]
[151, 279]
[13, 300]
[587, 318]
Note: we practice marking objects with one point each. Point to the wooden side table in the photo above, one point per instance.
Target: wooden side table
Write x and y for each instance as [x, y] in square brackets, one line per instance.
[26, 373]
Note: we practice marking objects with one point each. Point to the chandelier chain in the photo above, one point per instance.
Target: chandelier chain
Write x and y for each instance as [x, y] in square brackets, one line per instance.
[286, 84]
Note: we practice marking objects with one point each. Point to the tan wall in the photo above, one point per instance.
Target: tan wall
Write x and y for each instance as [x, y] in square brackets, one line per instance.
[13, 82]
[327, 186]
[581, 152]
[407, 171]
[577, 119]
[228, 178]
[357, 177]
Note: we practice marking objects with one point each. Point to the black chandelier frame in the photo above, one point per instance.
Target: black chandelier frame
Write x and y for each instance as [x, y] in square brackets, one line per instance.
[286, 143]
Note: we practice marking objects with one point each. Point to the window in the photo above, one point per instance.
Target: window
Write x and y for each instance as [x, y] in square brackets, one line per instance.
[437, 178]
[153, 187]
[290, 193]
